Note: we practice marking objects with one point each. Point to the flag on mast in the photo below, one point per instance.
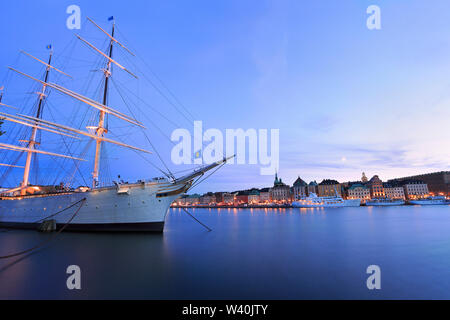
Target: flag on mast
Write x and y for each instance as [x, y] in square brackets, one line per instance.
[49, 46]
[111, 18]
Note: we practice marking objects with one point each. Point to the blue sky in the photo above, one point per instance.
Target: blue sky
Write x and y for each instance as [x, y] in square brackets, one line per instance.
[346, 99]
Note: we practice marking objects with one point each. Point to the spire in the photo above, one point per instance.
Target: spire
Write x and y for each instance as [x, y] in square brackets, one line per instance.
[278, 181]
[364, 178]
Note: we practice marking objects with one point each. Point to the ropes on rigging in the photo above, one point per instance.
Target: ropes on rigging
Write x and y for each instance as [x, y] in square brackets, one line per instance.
[145, 134]
[70, 145]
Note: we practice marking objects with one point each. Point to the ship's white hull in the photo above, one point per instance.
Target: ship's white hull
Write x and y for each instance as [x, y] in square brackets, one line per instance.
[385, 204]
[428, 202]
[344, 203]
[136, 207]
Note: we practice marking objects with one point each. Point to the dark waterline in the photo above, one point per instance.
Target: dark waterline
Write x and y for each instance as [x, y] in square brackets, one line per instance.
[250, 254]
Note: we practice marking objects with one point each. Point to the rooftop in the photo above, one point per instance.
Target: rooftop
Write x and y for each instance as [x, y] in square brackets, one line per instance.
[357, 185]
[411, 181]
[328, 182]
[299, 183]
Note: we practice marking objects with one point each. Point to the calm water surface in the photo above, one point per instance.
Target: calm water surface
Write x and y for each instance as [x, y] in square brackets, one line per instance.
[250, 254]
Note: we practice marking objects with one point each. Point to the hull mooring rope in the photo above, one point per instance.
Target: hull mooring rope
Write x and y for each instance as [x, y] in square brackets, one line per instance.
[51, 239]
[202, 224]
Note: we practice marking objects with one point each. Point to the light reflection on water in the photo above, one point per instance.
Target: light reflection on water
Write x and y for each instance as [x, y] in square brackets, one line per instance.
[250, 254]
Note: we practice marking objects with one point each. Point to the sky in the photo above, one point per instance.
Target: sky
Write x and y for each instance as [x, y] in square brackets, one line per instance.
[346, 99]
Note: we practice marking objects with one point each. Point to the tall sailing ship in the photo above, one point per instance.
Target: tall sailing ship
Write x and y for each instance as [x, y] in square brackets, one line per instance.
[139, 206]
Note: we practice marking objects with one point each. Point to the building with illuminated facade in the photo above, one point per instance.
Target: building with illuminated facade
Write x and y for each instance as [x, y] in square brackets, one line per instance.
[208, 198]
[299, 189]
[229, 198]
[253, 197]
[280, 191]
[312, 187]
[415, 189]
[264, 195]
[438, 182]
[358, 191]
[329, 188]
[394, 190]
[376, 187]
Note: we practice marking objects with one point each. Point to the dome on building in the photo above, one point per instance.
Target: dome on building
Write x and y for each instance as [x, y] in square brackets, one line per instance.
[277, 182]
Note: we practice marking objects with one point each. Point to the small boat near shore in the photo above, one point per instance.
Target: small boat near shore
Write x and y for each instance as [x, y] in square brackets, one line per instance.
[385, 202]
[437, 200]
[313, 201]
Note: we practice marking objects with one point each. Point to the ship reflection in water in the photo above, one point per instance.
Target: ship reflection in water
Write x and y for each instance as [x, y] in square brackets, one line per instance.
[262, 254]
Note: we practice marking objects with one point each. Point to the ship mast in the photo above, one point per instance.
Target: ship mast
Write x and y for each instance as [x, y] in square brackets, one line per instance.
[37, 123]
[32, 142]
[101, 130]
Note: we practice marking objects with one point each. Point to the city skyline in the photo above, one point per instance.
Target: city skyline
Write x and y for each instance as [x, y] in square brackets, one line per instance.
[438, 181]
[231, 157]
[346, 99]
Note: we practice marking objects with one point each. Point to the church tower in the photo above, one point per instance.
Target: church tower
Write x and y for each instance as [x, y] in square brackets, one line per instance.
[364, 178]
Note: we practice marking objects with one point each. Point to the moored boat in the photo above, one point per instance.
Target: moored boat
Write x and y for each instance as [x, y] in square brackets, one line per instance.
[385, 202]
[313, 201]
[436, 200]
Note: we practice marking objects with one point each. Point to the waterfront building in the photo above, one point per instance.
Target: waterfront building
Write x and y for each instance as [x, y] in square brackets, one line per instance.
[219, 197]
[358, 191]
[438, 182]
[181, 201]
[312, 187]
[280, 191]
[415, 189]
[253, 197]
[299, 189]
[329, 188]
[346, 185]
[394, 190]
[376, 187]
[208, 199]
[280, 194]
[264, 195]
[192, 200]
[229, 198]
[241, 197]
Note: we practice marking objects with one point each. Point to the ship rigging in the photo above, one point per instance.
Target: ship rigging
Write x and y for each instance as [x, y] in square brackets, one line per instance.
[146, 202]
